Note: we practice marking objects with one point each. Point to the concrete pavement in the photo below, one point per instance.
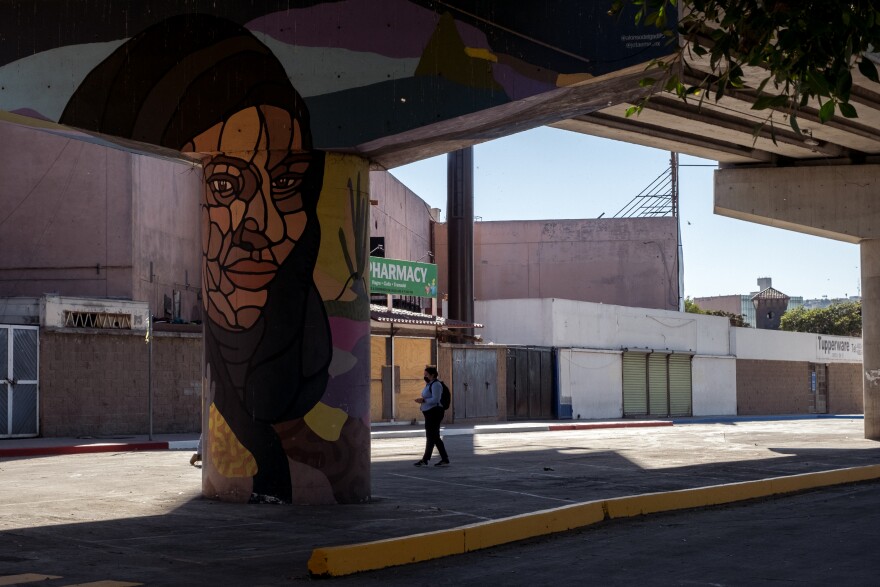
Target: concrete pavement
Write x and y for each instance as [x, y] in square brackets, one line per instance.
[24, 447]
[140, 513]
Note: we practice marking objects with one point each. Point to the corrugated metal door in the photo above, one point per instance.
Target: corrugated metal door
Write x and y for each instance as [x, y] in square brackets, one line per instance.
[19, 363]
[474, 383]
[635, 387]
[680, 402]
[658, 388]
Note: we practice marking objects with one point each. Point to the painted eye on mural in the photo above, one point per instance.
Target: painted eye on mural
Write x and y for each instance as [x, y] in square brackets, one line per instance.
[286, 186]
[225, 187]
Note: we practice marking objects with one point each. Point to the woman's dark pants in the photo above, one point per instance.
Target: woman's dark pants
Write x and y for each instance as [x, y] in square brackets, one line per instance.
[433, 417]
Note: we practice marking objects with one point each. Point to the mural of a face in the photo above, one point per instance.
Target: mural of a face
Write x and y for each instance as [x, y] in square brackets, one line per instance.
[253, 210]
[269, 342]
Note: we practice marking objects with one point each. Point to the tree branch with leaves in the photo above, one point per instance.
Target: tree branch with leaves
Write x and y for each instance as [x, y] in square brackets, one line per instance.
[802, 51]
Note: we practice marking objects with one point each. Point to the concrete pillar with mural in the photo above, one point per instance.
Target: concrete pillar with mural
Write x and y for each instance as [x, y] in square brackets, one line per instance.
[284, 239]
[870, 261]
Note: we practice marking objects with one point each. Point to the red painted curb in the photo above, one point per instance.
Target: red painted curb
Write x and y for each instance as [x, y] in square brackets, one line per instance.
[555, 427]
[80, 449]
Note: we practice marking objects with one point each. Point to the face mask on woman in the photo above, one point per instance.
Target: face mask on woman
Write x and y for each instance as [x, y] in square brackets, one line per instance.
[427, 379]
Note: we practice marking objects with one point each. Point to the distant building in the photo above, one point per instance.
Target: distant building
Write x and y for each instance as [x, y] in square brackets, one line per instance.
[824, 302]
[770, 304]
[742, 303]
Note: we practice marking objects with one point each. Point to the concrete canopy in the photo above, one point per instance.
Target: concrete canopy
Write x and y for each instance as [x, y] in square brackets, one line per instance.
[725, 130]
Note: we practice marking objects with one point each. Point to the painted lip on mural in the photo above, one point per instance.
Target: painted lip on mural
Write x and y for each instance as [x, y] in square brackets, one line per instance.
[250, 274]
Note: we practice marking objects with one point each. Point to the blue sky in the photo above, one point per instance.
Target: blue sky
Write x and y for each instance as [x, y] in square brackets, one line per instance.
[548, 173]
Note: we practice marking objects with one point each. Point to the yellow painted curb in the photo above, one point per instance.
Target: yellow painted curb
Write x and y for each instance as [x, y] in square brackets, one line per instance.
[368, 556]
[353, 558]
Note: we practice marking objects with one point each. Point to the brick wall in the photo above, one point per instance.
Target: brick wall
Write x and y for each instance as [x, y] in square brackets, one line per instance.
[94, 383]
[772, 387]
[783, 387]
[845, 395]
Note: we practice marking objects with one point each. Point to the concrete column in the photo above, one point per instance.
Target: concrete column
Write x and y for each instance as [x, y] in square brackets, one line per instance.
[286, 390]
[460, 244]
[870, 253]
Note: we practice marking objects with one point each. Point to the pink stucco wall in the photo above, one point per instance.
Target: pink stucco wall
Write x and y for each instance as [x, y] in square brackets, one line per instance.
[628, 262]
[731, 304]
[66, 216]
[165, 220]
[400, 216]
[83, 219]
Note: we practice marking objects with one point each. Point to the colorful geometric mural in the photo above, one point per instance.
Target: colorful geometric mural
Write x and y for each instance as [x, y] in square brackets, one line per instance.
[366, 69]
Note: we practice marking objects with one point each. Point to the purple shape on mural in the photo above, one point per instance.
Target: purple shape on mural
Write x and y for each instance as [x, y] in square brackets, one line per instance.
[471, 36]
[346, 391]
[347, 333]
[353, 25]
[516, 85]
[30, 113]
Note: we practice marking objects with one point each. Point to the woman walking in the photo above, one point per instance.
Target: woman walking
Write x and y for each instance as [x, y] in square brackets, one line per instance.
[433, 412]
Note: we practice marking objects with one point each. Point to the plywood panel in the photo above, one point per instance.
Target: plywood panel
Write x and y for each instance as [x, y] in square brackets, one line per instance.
[377, 357]
[375, 400]
[412, 354]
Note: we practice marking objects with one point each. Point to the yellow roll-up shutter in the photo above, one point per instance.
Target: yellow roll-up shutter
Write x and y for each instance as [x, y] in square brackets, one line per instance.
[658, 389]
[635, 387]
[680, 397]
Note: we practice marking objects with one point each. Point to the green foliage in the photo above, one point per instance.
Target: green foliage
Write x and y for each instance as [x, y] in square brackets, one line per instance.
[735, 319]
[804, 49]
[691, 306]
[837, 319]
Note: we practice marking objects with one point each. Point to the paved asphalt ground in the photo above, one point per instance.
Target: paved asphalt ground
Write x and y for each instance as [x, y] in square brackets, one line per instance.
[137, 517]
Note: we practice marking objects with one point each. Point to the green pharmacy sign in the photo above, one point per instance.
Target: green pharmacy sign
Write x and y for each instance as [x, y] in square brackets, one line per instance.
[405, 278]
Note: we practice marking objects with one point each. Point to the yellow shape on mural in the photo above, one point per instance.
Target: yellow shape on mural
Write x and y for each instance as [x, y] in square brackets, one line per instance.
[343, 175]
[228, 455]
[325, 421]
[478, 53]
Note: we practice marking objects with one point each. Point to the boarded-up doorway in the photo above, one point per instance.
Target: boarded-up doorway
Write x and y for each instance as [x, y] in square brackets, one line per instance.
[474, 376]
[530, 383]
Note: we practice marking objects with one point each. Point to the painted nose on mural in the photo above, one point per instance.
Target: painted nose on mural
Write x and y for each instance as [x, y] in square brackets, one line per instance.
[249, 236]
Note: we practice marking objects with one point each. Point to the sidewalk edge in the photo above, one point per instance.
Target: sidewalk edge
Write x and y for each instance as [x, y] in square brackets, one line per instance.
[33, 451]
[367, 556]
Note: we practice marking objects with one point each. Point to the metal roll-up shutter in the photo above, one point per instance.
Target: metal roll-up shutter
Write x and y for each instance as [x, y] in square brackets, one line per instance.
[680, 396]
[658, 389]
[635, 387]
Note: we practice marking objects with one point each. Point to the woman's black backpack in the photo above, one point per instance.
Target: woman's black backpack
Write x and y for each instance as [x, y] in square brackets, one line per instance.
[445, 397]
